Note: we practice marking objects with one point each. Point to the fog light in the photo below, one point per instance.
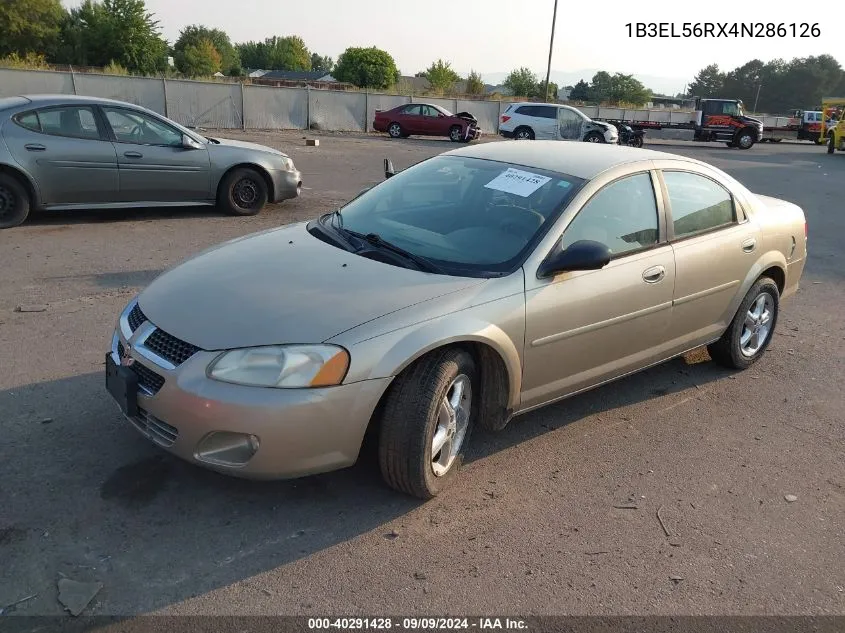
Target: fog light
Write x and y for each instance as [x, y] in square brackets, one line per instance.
[225, 448]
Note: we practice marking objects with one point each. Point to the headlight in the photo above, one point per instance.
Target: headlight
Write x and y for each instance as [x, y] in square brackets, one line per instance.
[282, 366]
[287, 164]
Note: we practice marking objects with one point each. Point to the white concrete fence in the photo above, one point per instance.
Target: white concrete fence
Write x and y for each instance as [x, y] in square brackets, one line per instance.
[248, 107]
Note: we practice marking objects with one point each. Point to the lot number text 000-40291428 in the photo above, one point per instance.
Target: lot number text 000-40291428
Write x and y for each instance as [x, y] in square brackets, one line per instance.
[723, 29]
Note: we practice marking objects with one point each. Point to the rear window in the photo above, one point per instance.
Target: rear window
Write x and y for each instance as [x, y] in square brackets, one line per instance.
[29, 120]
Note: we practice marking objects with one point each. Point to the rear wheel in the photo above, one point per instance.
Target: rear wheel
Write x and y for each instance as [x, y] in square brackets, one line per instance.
[395, 130]
[14, 202]
[427, 418]
[594, 137]
[523, 134]
[242, 192]
[638, 141]
[751, 330]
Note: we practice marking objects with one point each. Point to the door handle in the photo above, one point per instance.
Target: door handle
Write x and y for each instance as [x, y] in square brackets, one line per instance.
[133, 154]
[654, 274]
[35, 147]
[749, 245]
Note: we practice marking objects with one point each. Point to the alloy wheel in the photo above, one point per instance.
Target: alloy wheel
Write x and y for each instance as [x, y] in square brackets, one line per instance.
[452, 424]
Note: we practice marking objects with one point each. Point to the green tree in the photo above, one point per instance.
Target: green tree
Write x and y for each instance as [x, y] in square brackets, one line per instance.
[366, 68]
[580, 91]
[200, 59]
[707, 83]
[120, 31]
[276, 53]
[441, 77]
[552, 91]
[601, 87]
[475, 84]
[627, 89]
[30, 26]
[323, 64]
[522, 82]
[194, 35]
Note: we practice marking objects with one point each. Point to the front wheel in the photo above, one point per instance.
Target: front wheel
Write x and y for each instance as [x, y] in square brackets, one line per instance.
[637, 141]
[831, 144]
[14, 202]
[427, 418]
[242, 192]
[594, 137]
[752, 328]
[744, 139]
[455, 134]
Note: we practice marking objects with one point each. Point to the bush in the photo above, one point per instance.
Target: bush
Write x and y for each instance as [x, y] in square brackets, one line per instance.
[30, 61]
[113, 68]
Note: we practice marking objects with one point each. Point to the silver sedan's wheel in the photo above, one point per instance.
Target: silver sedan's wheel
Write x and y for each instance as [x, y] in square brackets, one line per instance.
[452, 424]
[758, 323]
[427, 417]
[751, 329]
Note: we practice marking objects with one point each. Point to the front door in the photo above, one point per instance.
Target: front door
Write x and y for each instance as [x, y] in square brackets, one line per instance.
[570, 125]
[153, 164]
[715, 248]
[588, 326]
[67, 152]
[432, 122]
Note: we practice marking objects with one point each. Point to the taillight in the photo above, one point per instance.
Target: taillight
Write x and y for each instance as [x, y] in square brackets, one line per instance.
[505, 118]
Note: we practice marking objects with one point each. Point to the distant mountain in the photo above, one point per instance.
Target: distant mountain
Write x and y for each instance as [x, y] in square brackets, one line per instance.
[662, 85]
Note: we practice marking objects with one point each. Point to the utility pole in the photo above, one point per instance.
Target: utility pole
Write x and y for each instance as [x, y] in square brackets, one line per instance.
[551, 45]
[760, 85]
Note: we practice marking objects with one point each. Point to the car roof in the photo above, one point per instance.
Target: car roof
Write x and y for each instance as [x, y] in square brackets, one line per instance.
[41, 100]
[582, 160]
[540, 103]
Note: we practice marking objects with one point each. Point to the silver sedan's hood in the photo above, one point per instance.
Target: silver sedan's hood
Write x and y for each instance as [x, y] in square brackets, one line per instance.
[225, 142]
[282, 286]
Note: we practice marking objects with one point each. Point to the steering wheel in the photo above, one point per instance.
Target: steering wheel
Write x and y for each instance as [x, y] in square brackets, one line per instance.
[137, 133]
[527, 228]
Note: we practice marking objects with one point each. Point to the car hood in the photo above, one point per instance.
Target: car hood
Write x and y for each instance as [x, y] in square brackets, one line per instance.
[282, 286]
[225, 142]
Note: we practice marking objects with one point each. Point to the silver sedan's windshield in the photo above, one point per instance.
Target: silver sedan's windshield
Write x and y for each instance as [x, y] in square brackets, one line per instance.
[463, 213]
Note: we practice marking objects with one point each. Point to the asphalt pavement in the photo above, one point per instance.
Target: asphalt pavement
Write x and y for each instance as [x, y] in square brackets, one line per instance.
[557, 514]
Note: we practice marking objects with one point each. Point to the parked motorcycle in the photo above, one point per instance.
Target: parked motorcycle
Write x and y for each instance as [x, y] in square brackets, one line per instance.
[630, 136]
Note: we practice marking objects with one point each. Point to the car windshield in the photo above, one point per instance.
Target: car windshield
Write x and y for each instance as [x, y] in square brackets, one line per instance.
[466, 215]
[443, 110]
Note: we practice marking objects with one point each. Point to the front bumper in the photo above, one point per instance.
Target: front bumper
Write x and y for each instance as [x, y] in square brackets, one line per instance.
[286, 185]
[299, 431]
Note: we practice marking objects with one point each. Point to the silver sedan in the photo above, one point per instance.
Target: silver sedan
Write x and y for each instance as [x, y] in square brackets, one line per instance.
[67, 152]
[470, 288]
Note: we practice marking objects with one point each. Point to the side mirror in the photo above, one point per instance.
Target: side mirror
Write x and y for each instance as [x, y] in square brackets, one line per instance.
[189, 143]
[388, 168]
[582, 255]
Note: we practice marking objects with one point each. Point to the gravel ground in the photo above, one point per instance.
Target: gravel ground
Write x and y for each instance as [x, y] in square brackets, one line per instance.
[533, 525]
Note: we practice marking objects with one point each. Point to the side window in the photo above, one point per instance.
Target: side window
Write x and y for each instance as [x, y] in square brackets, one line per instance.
[698, 204]
[547, 112]
[622, 215]
[569, 123]
[72, 121]
[136, 127]
[525, 110]
[429, 111]
[29, 120]
[412, 109]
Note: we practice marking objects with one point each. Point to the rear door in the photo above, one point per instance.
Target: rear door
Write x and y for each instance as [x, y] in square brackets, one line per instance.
[715, 246]
[153, 164]
[546, 122]
[412, 120]
[66, 149]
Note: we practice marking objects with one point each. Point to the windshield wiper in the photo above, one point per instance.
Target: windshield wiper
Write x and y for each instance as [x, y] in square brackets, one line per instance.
[332, 224]
[375, 239]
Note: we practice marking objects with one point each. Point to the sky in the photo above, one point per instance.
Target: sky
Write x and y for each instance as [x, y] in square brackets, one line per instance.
[495, 36]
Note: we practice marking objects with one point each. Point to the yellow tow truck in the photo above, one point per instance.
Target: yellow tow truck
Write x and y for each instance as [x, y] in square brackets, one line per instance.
[834, 133]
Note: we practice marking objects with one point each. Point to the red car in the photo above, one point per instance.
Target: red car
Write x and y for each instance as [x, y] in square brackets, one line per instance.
[424, 119]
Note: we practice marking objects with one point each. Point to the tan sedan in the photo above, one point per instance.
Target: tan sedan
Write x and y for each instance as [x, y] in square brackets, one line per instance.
[470, 288]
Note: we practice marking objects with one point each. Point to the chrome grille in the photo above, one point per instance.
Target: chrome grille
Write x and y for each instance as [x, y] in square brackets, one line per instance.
[157, 430]
[136, 318]
[169, 347]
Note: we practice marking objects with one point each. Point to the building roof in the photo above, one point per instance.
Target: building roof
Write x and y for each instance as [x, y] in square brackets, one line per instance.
[582, 160]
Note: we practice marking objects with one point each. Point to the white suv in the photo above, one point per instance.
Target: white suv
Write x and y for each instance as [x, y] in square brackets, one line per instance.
[550, 121]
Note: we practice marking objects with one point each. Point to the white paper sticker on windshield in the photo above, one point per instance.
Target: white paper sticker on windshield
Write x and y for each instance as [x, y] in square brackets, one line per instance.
[517, 182]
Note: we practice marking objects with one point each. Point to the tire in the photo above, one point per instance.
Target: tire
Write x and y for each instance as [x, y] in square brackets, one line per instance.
[456, 134]
[14, 202]
[744, 139]
[242, 191]
[594, 137]
[523, 133]
[395, 130]
[831, 144]
[730, 351]
[415, 412]
[638, 141]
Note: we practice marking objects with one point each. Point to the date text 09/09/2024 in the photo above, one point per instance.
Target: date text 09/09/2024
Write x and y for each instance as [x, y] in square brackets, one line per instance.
[417, 624]
[723, 29]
